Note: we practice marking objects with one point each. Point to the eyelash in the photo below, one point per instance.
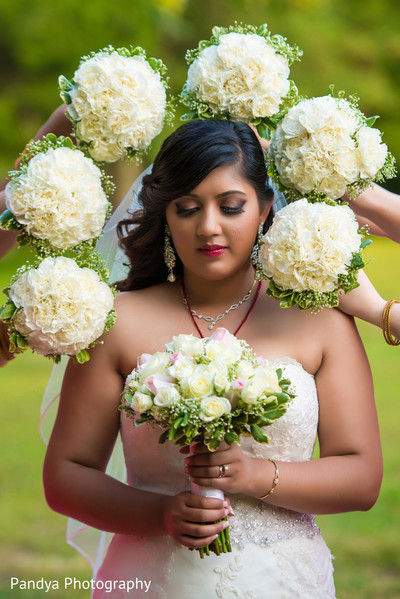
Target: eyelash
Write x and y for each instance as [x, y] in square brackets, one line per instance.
[226, 209]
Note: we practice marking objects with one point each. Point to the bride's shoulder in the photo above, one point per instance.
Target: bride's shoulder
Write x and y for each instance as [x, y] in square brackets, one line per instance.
[145, 300]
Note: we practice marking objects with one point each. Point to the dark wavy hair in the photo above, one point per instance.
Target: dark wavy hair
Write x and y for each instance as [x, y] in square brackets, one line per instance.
[186, 157]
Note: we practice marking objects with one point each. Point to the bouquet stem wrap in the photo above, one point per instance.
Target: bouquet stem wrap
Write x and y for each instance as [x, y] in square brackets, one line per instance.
[221, 544]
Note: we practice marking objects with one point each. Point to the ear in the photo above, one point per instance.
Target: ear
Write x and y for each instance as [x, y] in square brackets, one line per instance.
[266, 208]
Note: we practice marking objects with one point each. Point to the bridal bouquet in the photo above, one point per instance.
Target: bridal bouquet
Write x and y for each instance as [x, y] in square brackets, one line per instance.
[206, 390]
[311, 252]
[325, 146]
[117, 102]
[241, 74]
[58, 199]
[57, 308]
[61, 303]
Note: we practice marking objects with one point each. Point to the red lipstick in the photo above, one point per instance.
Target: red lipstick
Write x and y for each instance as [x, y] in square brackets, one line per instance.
[212, 250]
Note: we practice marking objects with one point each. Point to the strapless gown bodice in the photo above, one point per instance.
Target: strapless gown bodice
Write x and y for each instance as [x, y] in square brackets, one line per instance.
[276, 553]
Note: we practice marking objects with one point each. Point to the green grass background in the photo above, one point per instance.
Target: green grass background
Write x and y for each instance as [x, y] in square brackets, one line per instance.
[366, 546]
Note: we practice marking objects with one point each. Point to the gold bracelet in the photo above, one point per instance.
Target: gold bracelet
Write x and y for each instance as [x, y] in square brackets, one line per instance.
[389, 338]
[26, 150]
[274, 482]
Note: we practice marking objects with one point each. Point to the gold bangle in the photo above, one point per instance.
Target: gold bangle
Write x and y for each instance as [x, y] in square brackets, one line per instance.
[274, 482]
[26, 150]
[389, 338]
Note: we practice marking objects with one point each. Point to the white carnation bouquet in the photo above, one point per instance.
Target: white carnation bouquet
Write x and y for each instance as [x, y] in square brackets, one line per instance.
[117, 102]
[311, 253]
[58, 199]
[325, 146]
[240, 74]
[209, 390]
[58, 308]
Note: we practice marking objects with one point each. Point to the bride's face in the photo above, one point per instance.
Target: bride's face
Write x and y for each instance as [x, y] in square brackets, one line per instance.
[214, 227]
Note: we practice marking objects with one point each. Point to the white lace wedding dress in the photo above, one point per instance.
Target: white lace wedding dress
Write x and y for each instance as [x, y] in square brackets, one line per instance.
[276, 553]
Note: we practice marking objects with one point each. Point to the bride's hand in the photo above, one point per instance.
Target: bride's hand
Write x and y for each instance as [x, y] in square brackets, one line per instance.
[187, 519]
[227, 468]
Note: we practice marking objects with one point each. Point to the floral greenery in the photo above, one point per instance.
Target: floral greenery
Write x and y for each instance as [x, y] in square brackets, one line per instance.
[201, 110]
[42, 246]
[355, 188]
[157, 65]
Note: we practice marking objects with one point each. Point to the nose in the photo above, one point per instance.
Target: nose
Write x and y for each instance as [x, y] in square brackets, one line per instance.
[208, 223]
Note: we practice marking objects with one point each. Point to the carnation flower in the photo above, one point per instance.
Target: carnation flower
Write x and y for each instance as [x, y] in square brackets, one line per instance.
[325, 146]
[241, 74]
[59, 197]
[61, 308]
[311, 250]
[117, 102]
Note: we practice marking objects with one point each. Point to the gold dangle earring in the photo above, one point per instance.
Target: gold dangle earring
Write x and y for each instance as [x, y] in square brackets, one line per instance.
[169, 255]
[254, 254]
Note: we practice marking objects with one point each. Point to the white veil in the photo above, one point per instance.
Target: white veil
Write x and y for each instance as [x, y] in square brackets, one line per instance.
[90, 542]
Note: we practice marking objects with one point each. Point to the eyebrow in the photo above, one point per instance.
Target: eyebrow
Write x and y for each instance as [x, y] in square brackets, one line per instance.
[220, 195]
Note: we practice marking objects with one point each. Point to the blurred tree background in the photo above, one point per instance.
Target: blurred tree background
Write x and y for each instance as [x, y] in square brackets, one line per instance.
[354, 44]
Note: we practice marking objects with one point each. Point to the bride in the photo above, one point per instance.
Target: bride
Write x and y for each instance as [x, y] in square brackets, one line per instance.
[208, 185]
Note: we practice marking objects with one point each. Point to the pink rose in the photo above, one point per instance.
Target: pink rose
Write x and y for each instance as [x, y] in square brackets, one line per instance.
[156, 382]
[142, 359]
[239, 384]
[174, 357]
[221, 335]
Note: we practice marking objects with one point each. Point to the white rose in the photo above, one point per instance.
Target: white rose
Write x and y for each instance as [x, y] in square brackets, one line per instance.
[199, 384]
[252, 392]
[182, 367]
[141, 402]
[245, 369]
[157, 364]
[267, 379]
[188, 345]
[218, 350]
[63, 307]
[166, 397]
[214, 407]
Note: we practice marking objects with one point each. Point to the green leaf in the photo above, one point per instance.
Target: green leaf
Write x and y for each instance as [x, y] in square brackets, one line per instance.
[365, 243]
[82, 357]
[258, 434]
[8, 310]
[275, 413]
[164, 437]
[370, 121]
[212, 444]
[231, 437]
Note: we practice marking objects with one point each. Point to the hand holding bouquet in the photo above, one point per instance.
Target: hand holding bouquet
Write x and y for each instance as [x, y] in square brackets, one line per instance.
[206, 390]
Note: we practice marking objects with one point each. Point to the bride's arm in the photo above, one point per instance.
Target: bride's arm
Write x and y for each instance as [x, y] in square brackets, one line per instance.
[81, 443]
[347, 476]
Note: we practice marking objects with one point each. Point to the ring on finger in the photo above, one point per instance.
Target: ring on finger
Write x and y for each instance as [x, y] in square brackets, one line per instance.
[222, 470]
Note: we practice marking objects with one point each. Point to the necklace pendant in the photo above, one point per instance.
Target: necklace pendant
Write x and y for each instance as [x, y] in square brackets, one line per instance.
[211, 326]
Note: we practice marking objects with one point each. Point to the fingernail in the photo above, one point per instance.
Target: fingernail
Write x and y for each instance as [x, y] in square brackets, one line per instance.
[215, 537]
[231, 512]
[225, 503]
[226, 511]
[225, 524]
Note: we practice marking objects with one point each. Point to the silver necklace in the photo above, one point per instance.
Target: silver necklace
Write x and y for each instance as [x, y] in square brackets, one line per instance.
[213, 321]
